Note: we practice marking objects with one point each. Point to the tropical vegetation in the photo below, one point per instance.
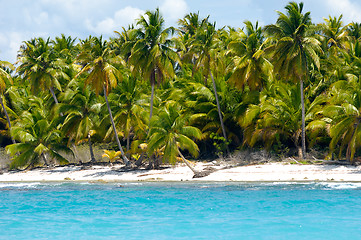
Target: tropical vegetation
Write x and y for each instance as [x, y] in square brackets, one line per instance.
[153, 94]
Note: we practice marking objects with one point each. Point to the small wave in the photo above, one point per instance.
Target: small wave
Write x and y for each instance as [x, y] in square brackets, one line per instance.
[133, 184]
[286, 183]
[29, 185]
[344, 185]
[19, 185]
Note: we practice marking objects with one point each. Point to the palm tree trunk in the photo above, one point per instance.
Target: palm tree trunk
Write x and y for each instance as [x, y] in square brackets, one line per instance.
[125, 159]
[128, 141]
[53, 94]
[348, 150]
[303, 134]
[75, 151]
[55, 99]
[92, 158]
[186, 162]
[219, 110]
[7, 118]
[151, 101]
[45, 159]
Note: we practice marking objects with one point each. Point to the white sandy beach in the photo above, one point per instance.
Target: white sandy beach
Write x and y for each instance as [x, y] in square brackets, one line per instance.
[265, 172]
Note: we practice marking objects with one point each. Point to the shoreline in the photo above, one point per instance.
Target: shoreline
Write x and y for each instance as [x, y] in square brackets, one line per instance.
[269, 172]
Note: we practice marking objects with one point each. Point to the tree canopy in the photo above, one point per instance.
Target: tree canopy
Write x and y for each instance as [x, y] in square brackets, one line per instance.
[190, 91]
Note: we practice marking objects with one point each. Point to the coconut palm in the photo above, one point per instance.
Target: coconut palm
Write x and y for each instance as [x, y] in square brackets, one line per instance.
[41, 67]
[124, 42]
[112, 155]
[189, 26]
[129, 109]
[275, 120]
[5, 77]
[65, 48]
[296, 48]
[250, 66]
[345, 112]
[200, 101]
[205, 47]
[171, 132]
[354, 30]
[81, 107]
[38, 138]
[335, 34]
[98, 61]
[152, 55]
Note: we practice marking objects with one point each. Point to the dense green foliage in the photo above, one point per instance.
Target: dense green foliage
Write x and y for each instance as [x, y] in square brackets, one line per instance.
[192, 90]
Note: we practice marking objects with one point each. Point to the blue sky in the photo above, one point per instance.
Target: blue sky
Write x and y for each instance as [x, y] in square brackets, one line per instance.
[21, 20]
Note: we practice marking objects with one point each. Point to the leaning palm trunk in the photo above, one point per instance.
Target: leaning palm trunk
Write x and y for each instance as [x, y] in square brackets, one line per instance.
[186, 162]
[303, 135]
[46, 162]
[125, 159]
[7, 118]
[55, 99]
[53, 94]
[219, 110]
[92, 158]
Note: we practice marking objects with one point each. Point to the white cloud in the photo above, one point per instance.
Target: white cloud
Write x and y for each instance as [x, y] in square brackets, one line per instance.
[3, 39]
[102, 27]
[76, 6]
[42, 18]
[15, 42]
[121, 18]
[350, 9]
[174, 9]
[9, 44]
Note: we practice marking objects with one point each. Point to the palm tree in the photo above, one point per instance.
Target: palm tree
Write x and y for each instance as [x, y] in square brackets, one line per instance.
[5, 76]
[199, 100]
[345, 112]
[65, 48]
[129, 114]
[98, 61]
[111, 155]
[124, 42]
[152, 55]
[335, 34]
[38, 137]
[249, 62]
[354, 30]
[170, 132]
[40, 66]
[205, 47]
[296, 48]
[81, 108]
[189, 26]
[275, 120]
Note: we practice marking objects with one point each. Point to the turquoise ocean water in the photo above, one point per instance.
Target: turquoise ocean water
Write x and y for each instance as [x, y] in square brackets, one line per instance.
[180, 211]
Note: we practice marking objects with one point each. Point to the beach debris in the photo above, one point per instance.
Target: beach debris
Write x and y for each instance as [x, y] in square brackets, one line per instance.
[98, 181]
